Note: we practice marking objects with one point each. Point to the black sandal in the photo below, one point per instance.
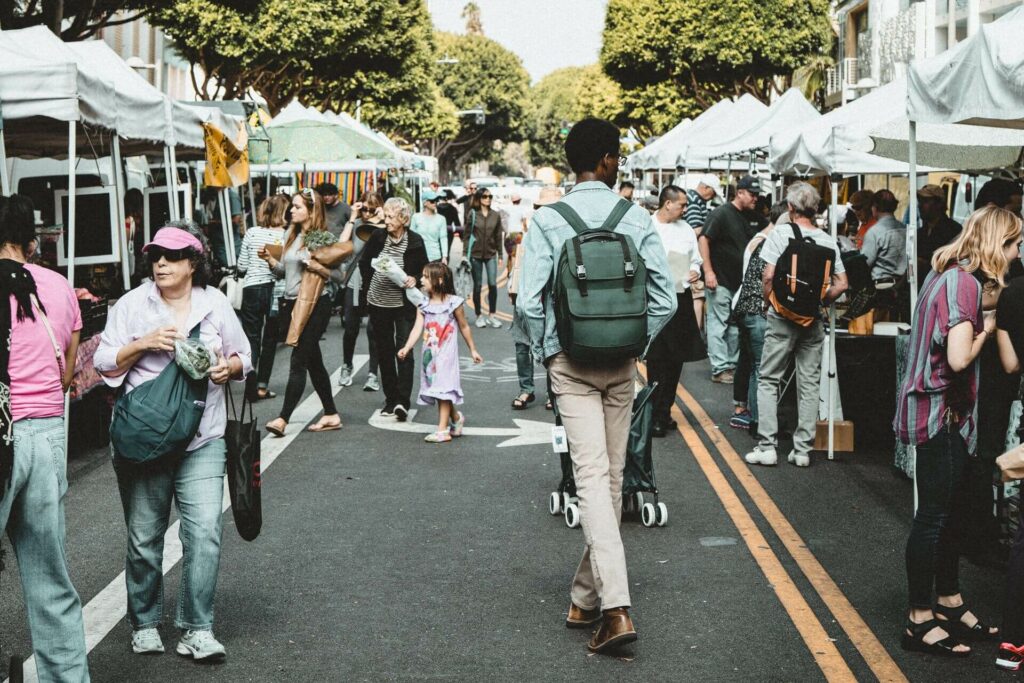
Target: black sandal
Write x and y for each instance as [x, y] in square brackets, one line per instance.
[954, 618]
[914, 641]
[519, 404]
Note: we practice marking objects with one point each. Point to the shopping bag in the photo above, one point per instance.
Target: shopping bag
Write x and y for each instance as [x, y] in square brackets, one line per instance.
[242, 438]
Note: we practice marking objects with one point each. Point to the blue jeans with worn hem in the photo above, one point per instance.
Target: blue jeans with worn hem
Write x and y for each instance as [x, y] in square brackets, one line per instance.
[195, 480]
[479, 265]
[723, 336]
[32, 510]
[751, 328]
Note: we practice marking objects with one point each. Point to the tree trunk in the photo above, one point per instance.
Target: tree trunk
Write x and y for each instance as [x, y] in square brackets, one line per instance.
[53, 15]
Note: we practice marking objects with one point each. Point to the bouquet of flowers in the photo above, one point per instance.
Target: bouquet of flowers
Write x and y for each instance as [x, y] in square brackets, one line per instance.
[311, 286]
[385, 266]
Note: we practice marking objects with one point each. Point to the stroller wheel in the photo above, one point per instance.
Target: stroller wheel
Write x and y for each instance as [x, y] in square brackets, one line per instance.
[662, 514]
[555, 503]
[572, 515]
[566, 499]
[643, 498]
[648, 515]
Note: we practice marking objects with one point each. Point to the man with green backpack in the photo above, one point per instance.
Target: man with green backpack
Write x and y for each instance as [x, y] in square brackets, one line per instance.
[595, 289]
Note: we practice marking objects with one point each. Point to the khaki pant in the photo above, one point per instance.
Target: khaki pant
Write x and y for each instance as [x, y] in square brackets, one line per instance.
[595, 404]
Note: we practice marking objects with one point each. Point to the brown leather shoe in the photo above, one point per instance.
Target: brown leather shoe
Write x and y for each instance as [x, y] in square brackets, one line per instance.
[616, 630]
[581, 618]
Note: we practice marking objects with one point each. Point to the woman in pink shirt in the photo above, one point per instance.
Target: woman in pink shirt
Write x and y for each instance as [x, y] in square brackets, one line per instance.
[42, 321]
[137, 344]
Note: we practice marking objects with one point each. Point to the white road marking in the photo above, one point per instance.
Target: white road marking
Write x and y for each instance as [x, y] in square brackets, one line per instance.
[525, 433]
[110, 605]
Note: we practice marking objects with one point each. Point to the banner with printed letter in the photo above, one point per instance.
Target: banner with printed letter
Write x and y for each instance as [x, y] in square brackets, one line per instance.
[227, 160]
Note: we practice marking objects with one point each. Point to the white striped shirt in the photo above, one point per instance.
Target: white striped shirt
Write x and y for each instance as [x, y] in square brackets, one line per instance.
[256, 270]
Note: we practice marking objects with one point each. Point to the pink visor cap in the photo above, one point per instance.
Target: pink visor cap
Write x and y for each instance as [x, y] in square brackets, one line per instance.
[174, 238]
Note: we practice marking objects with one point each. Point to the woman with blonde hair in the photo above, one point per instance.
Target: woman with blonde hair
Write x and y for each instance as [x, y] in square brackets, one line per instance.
[258, 292]
[937, 412]
[307, 215]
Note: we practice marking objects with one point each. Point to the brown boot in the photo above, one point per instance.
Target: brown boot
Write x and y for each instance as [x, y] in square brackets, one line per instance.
[616, 630]
[581, 618]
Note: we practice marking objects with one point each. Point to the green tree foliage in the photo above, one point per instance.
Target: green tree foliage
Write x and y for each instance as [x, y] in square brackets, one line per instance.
[560, 99]
[72, 19]
[675, 58]
[489, 76]
[325, 53]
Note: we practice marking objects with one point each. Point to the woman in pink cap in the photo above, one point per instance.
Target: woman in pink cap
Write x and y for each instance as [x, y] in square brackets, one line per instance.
[137, 344]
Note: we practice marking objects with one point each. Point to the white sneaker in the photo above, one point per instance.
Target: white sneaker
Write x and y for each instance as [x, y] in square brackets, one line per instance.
[147, 641]
[401, 413]
[760, 456]
[456, 426]
[494, 322]
[799, 460]
[372, 383]
[481, 321]
[200, 645]
[346, 376]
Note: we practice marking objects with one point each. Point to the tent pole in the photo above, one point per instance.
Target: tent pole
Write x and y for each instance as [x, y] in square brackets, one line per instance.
[912, 276]
[169, 183]
[118, 171]
[660, 178]
[174, 183]
[834, 224]
[229, 232]
[5, 177]
[72, 188]
[252, 201]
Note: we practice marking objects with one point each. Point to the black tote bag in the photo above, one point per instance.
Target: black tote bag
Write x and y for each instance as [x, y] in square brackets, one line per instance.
[242, 438]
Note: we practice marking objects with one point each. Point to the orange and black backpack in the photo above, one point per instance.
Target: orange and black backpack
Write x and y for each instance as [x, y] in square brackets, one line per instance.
[802, 277]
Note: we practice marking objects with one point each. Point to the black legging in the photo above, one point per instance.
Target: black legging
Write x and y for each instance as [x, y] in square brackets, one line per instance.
[306, 357]
[256, 300]
[353, 319]
[939, 529]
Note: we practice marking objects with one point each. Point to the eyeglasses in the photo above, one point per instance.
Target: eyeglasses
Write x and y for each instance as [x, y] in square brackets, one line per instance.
[155, 253]
[485, 196]
[622, 160]
[308, 192]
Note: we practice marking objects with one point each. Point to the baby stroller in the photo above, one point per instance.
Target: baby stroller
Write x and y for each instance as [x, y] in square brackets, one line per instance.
[639, 491]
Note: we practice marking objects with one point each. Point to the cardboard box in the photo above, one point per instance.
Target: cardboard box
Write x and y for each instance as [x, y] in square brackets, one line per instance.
[843, 436]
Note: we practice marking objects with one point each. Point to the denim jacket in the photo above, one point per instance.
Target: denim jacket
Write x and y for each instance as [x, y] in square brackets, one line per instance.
[542, 246]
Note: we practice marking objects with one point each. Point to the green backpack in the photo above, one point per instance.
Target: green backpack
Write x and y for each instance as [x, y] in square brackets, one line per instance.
[600, 291]
[160, 416]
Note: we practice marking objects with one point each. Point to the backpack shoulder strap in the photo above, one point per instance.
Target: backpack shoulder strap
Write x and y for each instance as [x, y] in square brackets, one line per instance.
[570, 216]
[797, 235]
[617, 214]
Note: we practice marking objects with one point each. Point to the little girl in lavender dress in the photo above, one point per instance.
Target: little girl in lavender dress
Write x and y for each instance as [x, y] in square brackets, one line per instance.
[437, 317]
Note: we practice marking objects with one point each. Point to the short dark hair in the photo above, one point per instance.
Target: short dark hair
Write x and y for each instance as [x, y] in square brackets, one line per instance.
[885, 201]
[202, 275]
[996, 191]
[778, 208]
[589, 141]
[17, 221]
[326, 188]
[625, 184]
[669, 194]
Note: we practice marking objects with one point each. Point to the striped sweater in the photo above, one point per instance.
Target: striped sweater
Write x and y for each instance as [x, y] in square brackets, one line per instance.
[256, 270]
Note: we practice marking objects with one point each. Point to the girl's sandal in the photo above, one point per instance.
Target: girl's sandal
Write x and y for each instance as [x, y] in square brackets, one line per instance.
[953, 621]
[913, 640]
[321, 426]
[520, 403]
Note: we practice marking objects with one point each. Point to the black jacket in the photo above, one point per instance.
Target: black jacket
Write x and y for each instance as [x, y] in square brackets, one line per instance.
[415, 258]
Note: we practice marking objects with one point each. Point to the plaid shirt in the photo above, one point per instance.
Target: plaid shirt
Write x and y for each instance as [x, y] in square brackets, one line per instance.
[932, 394]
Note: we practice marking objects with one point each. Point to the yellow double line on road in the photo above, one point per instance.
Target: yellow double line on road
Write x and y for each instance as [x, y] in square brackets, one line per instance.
[821, 646]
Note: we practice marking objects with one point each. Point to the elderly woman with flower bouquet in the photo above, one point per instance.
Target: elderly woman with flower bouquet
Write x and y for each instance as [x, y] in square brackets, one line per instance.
[309, 254]
[391, 265]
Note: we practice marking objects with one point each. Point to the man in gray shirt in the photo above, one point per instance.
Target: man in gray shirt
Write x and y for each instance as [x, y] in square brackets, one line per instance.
[336, 211]
[885, 244]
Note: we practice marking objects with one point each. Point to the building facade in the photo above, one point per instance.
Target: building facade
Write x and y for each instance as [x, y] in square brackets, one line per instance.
[150, 52]
[879, 38]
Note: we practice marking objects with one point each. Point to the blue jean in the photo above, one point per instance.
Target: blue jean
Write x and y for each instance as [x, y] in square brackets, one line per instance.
[195, 481]
[751, 331]
[32, 510]
[723, 338]
[491, 265]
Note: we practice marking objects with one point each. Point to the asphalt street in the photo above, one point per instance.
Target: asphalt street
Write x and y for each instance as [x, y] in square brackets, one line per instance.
[386, 558]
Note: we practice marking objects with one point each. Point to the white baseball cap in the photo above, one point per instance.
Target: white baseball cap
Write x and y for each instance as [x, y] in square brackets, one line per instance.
[712, 181]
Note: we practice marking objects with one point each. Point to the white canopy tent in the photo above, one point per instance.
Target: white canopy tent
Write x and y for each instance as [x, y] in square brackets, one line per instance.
[692, 148]
[792, 111]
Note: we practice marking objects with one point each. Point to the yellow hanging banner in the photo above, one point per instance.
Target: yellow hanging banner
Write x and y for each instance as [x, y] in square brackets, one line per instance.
[227, 161]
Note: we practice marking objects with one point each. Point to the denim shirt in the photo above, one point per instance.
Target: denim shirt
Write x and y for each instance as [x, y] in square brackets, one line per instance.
[548, 232]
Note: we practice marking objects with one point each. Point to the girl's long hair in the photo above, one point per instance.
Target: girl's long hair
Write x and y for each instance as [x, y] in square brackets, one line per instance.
[317, 219]
[986, 233]
[440, 278]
